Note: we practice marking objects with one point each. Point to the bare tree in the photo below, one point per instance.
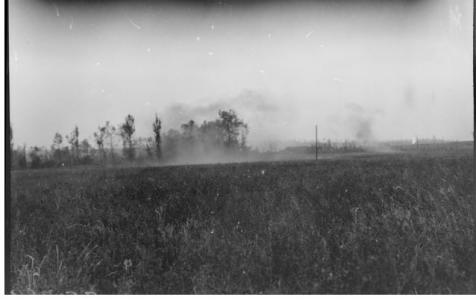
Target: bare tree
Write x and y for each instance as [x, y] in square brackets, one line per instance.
[105, 133]
[99, 137]
[127, 130]
[73, 140]
[56, 147]
[110, 131]
[157, 126]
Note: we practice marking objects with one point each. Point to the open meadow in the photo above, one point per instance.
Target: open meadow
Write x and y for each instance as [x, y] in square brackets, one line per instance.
[389, 223]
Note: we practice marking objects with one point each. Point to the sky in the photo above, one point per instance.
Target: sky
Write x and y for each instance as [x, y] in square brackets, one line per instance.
[362, 70]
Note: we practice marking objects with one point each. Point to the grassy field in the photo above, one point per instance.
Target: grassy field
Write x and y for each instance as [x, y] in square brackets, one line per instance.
[391, 223]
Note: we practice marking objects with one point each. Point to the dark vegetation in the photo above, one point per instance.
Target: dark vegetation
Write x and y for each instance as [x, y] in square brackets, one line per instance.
[218, 141]
[224, 137]
[396, 223]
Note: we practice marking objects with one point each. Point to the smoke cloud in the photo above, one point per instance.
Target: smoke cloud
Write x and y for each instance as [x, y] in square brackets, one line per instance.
[267, 120]
[248, 103]
[360, 122]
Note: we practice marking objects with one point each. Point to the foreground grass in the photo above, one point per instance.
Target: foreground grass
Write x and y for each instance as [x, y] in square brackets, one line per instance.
[390, 224]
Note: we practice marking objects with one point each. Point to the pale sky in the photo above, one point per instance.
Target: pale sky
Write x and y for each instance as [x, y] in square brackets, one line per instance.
[397, 69]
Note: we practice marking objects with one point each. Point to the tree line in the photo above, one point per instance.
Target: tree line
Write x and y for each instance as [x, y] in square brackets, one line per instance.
[224, 136]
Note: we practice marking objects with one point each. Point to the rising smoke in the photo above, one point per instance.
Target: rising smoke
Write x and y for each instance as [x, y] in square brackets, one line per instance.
[360, 123]
[268, 120]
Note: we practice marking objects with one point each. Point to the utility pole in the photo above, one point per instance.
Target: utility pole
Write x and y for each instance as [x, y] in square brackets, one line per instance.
[316, 142]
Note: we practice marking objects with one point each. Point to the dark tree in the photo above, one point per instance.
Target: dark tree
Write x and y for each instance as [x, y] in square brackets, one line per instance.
[157, 126]
[188, 130]
[99, 138]
[109, 133]
[232, 127]
[189, 138]
[127, 130]
[57, 141]
[56, 147]
[73, 140]
[104, 133]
